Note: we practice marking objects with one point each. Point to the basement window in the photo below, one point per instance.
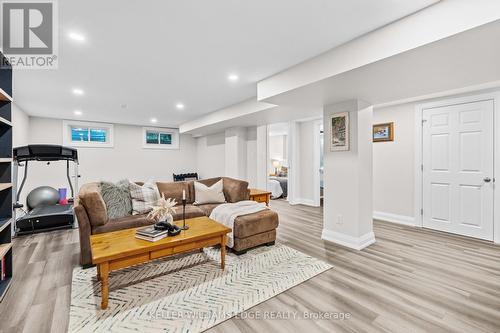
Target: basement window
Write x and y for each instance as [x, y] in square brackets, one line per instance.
[85, 134]
[160, 138]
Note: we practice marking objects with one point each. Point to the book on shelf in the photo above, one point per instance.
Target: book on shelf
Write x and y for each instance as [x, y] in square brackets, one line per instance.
[2, 270]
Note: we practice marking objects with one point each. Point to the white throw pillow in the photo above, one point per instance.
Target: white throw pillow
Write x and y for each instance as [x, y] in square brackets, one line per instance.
[143, 197]
[205, 195]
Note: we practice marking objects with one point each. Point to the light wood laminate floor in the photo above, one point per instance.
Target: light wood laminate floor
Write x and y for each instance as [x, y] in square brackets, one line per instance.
[410, 280]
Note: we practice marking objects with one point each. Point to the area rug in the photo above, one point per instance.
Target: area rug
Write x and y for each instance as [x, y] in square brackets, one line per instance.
[187, 293]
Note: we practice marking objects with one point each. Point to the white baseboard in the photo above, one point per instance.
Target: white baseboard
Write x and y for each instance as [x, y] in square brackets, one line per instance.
[357, 243]
[394, 218]
[306, 202]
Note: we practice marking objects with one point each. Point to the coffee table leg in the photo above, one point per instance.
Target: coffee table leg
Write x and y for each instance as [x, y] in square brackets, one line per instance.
[223, 252]
[98, 272]
[104, 272]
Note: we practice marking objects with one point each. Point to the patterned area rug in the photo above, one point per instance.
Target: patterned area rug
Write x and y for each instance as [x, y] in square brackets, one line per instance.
[187, 293]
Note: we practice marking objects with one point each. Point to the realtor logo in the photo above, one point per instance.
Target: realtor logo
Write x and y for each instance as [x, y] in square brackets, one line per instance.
[29, 38]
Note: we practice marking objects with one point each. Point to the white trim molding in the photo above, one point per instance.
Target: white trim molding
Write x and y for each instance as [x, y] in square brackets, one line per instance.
[305, 202]
[394, 218]
[356, 243]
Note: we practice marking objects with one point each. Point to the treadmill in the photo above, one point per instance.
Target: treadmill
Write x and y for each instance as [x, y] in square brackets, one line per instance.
[49, 217]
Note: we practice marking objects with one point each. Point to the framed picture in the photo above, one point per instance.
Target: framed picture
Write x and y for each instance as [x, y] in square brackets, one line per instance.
[339, 131]
[383, 132]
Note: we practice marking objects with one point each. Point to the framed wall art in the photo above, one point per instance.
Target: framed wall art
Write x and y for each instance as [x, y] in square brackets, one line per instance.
[383, 132]
[339, 131]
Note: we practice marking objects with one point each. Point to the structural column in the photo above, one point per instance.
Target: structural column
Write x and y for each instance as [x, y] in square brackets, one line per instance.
[348, 212]
[262, 156]
[236, 152]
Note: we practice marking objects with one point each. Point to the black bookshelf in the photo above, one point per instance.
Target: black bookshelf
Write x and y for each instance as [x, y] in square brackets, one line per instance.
[5, 177]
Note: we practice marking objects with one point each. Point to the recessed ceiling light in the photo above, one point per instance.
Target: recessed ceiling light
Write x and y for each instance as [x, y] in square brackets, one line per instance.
[233, 77]
[154, 120]
[78, 91]
[76, 36]
[77, 112]
[179, 106]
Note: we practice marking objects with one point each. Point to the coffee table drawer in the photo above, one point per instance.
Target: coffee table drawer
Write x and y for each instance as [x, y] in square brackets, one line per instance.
[162, 253]
[208, 242]
[128, 261]
[197, 245]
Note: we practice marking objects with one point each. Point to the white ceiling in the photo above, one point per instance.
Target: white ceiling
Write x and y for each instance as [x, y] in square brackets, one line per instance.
[150, 55]
[466, 61]
[454, 66]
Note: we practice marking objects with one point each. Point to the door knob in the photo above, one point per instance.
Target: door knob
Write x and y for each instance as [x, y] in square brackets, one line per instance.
[487, 179]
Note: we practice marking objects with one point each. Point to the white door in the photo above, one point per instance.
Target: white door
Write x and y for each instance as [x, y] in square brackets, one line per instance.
[458, 169]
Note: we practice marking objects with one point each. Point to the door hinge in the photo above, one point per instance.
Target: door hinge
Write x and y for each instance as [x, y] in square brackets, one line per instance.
[422, 167]
[423, 121]
[421, 211]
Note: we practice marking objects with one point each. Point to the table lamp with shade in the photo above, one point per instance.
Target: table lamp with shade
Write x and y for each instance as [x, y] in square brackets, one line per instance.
[276, 165]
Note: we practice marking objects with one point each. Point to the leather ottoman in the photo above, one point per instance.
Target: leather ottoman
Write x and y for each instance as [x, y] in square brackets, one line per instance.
[254, 229]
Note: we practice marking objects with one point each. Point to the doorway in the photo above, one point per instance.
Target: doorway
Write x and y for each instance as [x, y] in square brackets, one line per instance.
[321, 163]
[457, 167]
[318, 170]
[278, 160]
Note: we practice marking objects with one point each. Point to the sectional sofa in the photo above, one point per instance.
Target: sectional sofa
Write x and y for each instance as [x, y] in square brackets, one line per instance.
[249, 230]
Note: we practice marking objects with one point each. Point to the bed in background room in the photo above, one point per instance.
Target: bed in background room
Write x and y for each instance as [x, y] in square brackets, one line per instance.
[278, 187]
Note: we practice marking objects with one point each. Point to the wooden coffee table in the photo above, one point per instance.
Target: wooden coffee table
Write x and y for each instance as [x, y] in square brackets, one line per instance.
[120, 249]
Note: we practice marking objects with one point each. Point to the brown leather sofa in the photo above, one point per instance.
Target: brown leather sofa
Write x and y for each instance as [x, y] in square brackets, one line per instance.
[249, 230]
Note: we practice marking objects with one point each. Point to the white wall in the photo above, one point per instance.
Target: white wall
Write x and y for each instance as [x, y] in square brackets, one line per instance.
[210, 155]
[252, 157]
[127, 159]
[348, 208]
[20, 134]
[304, 193]
[277, 150]
[236, 151]
[233, 153]
[262, 156]
[393, 163]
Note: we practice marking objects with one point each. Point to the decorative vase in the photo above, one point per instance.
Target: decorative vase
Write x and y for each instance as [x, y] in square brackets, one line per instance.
[168, 218]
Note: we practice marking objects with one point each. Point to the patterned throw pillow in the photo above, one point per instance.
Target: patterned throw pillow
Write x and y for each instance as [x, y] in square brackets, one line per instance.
[143, 197]
[117, 198]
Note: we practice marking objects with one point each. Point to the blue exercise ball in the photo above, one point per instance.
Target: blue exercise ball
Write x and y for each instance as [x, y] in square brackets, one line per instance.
[43, 196]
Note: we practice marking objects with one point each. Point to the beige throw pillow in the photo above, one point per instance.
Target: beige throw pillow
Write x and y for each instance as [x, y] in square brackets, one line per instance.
[205, 195]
